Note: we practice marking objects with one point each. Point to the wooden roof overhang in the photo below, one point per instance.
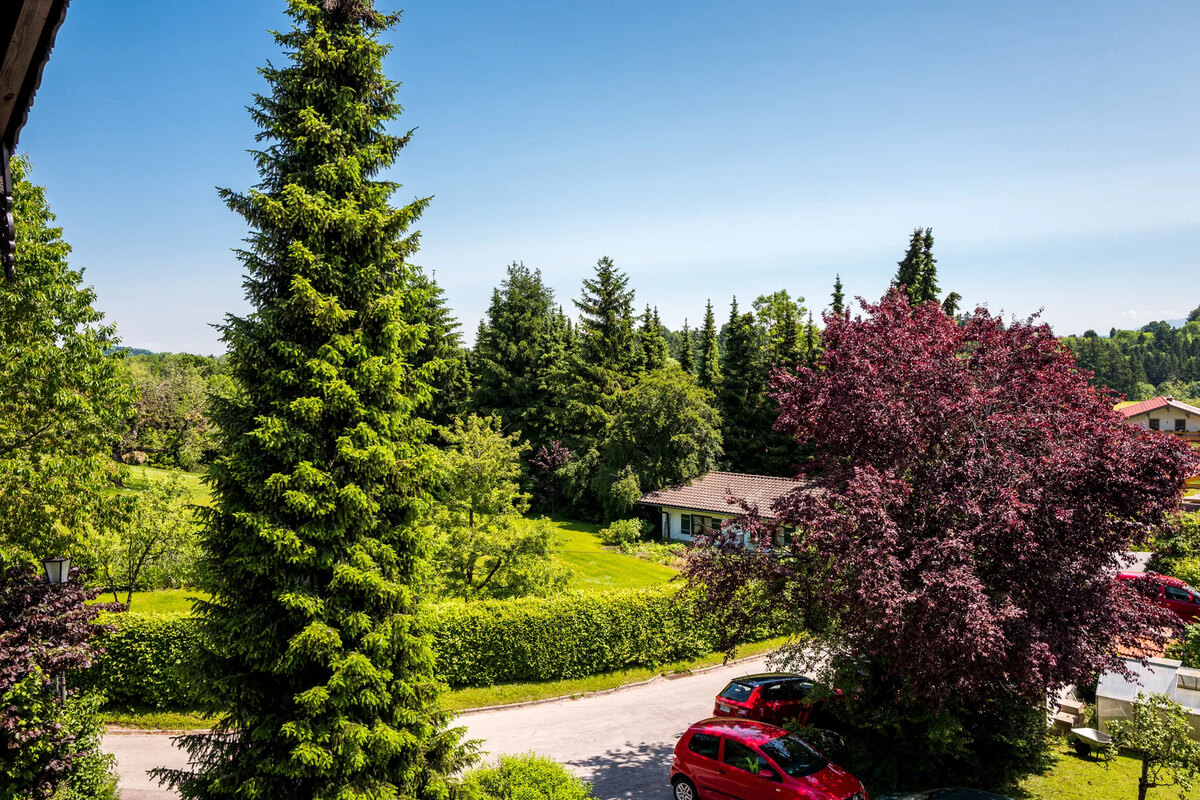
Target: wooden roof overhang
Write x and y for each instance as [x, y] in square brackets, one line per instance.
[27, 30]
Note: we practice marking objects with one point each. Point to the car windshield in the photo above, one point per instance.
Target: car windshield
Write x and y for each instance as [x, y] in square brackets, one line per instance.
[794, 756]
[737, 692]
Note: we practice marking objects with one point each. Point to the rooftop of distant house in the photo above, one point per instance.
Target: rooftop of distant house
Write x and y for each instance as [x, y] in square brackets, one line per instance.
[714, 490]
[1154, 404]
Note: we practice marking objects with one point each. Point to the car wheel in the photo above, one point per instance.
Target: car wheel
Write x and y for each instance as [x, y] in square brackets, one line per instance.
[684, 789]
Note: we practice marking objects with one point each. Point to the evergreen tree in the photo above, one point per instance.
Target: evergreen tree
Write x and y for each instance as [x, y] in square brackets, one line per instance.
[523, 338]
[709, 376]
[442, 351]
[838, 305]
[950, 304]
[316, 656]
[606, 320]
[686, 361]
[746, 413]
[917, 272]
[653, 345]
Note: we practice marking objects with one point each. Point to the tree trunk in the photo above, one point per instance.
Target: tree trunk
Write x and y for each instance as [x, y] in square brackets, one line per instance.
[1144, 781]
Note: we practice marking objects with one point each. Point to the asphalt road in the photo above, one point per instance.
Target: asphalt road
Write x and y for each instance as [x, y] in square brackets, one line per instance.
[621, 741]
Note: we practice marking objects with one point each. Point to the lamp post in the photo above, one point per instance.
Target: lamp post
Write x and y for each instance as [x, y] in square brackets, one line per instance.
[58, 573]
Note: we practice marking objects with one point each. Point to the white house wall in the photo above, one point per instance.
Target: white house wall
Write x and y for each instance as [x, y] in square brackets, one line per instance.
[677, 513]
[1166, 419]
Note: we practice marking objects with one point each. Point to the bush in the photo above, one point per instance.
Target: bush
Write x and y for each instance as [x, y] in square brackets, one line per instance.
[1187, 647]
[1177, 547]
[625, 531]
[91, 776]
[527, 777]
[146, 660]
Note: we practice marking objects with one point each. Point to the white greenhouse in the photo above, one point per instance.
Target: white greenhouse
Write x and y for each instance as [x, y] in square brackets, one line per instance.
[1115, 695]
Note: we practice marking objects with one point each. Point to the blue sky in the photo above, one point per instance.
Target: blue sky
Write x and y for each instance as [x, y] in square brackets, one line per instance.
[710, 149]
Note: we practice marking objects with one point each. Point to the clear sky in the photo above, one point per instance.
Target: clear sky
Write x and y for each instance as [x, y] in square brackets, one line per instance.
[709, 148]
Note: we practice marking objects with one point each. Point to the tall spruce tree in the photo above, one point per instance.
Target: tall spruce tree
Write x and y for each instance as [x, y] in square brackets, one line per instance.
[521, 341]
[686, 360]
[606, 320]
[653, 345]
[315, 651]
[917, 271]
[838, 298]
[443, 352]
[709, 375]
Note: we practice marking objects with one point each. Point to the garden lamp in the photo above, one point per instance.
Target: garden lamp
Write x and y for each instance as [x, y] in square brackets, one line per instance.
[58, 570]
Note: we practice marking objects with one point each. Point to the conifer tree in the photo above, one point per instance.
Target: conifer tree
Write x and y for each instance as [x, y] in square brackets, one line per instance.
[443, 352]
[606, 320]
[926, 289]
[838, 304]
[653, 345]
[709, 376]
[909, 268]
[686, 360]
[950, 304]
[315, 650]
[746, 413]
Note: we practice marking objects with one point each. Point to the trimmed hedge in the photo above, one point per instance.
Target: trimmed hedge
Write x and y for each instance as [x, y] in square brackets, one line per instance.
[147, 658]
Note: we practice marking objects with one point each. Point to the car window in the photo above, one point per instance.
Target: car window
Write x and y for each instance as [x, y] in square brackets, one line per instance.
[797, 690]
[705, 744]
[775, 691]
[737, 692]
[739, 755]
[794, 756]
[1177, 594]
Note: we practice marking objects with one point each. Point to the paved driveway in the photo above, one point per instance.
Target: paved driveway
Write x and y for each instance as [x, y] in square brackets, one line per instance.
[622, 741]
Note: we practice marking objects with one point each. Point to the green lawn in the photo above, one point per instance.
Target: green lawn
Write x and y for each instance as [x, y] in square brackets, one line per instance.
[193, 482]
[161, 601]
[1075, 778]
[597, 568]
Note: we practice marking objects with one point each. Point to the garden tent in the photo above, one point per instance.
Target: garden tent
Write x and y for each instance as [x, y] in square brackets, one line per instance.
[1116, 694]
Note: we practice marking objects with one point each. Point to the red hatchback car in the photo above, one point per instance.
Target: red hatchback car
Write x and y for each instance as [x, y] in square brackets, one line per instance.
[1168, 592]
[741, 759]
[769, 696]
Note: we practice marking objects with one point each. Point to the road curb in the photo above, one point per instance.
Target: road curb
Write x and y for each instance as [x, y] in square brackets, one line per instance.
[467, 712]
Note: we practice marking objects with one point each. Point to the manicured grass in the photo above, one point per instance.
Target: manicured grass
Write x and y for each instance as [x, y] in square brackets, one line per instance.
[193, 482]
[162, 601]
[1076, 778]
[597, 568]
[145, 719]
[501, 694]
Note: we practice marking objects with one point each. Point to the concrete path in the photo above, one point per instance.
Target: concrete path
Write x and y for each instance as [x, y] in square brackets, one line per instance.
[621, 741]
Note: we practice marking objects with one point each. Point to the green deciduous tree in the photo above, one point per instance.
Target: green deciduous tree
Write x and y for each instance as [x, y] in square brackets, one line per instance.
[63, 402]
[314, 644]
[709, 374]
[484, 548]
[1160, 731]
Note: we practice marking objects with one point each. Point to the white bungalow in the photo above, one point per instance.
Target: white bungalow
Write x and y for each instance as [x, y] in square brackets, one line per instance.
[705, 503]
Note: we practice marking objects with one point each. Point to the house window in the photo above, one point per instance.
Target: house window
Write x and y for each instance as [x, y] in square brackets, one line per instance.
[783, 537]
[1154, 425]
[685, 524]
[704, 525]
[1181, 425]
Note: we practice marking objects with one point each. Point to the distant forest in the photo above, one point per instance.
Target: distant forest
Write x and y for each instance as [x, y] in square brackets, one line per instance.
[1157, 359]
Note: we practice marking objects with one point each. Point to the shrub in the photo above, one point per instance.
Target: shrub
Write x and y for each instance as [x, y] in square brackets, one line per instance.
[91, 775]
[527, 777]
[1177, 546]
[625, 531]
[1187, 647]
[147, 658]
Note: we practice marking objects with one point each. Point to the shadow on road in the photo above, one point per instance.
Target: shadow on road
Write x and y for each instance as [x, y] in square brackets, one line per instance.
[632, 772]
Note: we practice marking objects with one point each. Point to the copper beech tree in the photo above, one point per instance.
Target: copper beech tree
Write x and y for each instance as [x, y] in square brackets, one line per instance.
[973, 497]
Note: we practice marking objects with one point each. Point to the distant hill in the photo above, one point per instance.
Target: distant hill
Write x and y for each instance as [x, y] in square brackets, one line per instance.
[133, 351]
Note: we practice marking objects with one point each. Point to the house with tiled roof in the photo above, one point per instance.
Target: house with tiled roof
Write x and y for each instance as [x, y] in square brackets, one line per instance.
[705, 503]
[1164, 414]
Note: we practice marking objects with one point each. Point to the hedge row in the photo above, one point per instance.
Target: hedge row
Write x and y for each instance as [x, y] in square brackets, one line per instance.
[147, 659]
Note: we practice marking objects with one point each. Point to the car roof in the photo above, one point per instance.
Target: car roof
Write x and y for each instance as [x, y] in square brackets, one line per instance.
[1154, 576]
[760, 678]
[744, 730]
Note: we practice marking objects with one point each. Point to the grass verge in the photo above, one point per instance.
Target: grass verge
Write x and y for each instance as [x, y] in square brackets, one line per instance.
[147, 719]
[1076, 778]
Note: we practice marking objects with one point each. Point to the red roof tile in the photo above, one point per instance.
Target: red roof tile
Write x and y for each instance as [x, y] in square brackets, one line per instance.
[711, 492]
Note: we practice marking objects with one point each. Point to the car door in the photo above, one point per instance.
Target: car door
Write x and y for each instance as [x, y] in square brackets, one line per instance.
[704, 763]
[739, 776]
[795, 703]
[1182, 602]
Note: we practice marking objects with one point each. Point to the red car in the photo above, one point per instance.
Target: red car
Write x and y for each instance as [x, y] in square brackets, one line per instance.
[1168, 592]
[718, 759]
[769, 696]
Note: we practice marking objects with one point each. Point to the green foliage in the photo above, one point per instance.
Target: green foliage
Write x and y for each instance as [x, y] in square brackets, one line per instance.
[147, 542]
[709, 375]
[63, 402]
[1177, 548]
[1160, 730]
[747, 413]
[315, 546]
[171, 423]
[686, 351]
[482, 547]
[606, 334]
[149, 661]
[92, 775]
[917, 272]
[442, 353]
[625, 531]
[837, 302]
[1187, 647]
[527, 777]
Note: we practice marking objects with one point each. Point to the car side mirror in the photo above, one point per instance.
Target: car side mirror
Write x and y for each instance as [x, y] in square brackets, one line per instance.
[768, 774]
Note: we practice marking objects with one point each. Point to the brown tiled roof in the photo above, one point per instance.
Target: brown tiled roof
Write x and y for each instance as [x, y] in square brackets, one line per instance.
[1155, 403]
[711, 492]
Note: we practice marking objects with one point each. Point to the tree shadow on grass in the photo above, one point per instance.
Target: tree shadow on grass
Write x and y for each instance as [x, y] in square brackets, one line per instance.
[631, 772]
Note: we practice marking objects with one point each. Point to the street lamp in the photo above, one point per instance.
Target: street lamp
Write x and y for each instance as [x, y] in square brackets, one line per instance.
[58, 570]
